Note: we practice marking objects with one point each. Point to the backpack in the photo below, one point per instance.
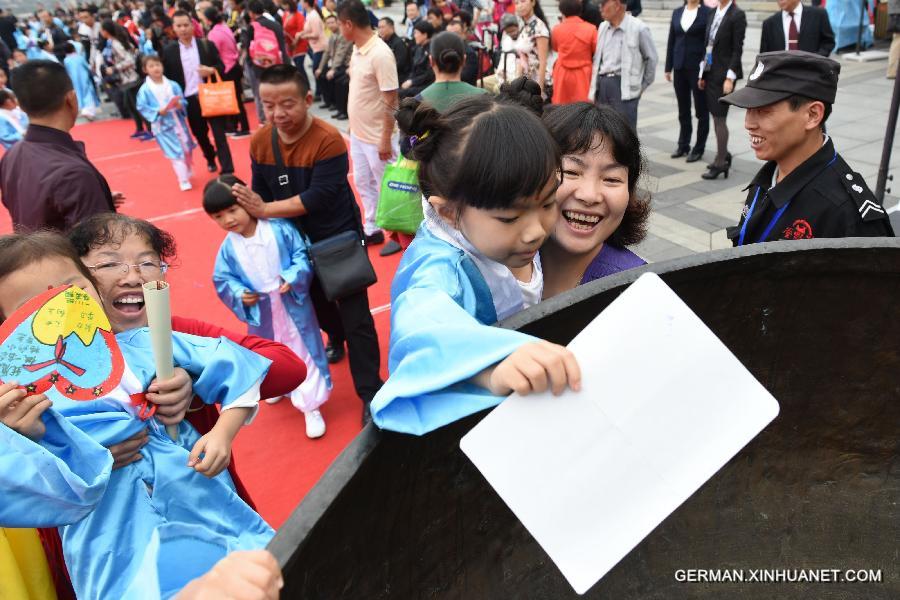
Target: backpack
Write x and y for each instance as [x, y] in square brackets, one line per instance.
[264, 48]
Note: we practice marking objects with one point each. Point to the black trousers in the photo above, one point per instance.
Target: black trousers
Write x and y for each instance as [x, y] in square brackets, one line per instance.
[350, 320]
[685, 82]
[200, 129]
[235, 75]
[336, 91]
[129, 100]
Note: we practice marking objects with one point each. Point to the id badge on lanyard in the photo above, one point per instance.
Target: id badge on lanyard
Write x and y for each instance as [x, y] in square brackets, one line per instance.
[708, 57]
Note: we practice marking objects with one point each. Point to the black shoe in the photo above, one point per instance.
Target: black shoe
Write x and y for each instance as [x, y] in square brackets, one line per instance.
[326, 106]
[211, 167]
[694, 156]
[239, 134]
[340, 116]
[714, 172]
[679, 153]
[391, 247]
[334, 354]
[373, 239]
[727, 161]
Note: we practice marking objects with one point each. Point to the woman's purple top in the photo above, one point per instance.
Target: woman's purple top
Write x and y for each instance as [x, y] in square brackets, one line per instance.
[611, 260]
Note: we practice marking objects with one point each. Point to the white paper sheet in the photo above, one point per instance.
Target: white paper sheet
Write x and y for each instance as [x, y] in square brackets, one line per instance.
[664, 405]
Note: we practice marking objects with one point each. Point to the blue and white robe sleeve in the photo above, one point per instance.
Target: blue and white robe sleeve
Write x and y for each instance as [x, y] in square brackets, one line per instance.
[441, 337]
[9, 134]
[222, 372]
[297, 269]
[230, 285]
[54, 482]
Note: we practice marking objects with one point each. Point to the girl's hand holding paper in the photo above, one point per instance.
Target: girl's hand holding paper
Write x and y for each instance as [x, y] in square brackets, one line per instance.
[216, 451]
[532, 369]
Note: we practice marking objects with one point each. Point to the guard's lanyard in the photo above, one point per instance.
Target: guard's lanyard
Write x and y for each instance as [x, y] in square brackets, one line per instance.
[777, 215]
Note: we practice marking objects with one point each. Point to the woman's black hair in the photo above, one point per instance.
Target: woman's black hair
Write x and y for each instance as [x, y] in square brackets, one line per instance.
[448, 52]
[571, 8]
[212, 15]
[112, 228]
[576, 127]
[217, 194]
[119, 33]
[481, 152]
[425, 27]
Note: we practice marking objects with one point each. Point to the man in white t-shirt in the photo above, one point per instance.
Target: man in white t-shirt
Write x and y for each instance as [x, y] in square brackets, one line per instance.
[371, 105]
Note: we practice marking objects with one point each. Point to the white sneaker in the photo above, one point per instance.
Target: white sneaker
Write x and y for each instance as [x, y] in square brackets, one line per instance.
[273, 400]
[185, 186]
[315, 424]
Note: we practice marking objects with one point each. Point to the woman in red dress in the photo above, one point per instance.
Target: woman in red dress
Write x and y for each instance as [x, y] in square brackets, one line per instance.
[574, 41]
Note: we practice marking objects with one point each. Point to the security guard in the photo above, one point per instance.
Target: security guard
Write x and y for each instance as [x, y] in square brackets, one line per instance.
[805, 190]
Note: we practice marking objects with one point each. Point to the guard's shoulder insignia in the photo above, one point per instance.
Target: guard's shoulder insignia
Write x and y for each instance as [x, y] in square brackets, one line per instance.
[866, 204]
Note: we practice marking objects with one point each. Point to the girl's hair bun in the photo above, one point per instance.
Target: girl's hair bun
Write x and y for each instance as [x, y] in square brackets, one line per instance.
[423, 124]
[524, 92]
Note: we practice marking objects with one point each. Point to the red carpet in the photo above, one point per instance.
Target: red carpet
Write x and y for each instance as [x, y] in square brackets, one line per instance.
[276, 460]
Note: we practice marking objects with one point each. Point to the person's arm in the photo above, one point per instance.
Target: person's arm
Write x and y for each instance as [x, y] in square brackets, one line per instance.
[764, 35]
[543, 49]
[670, 48]
[212, 58]
[389, 100]
[242, 575]
[826, 35]
[648, 52]
[234, 293]
[740, 30]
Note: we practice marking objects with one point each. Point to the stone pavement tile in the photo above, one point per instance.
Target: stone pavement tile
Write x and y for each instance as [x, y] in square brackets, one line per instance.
[655, 249]
[867, 130]
[726, 203]
[700, 219]
[679, 233]
[658, 169]
[871, 153]
[674, 196]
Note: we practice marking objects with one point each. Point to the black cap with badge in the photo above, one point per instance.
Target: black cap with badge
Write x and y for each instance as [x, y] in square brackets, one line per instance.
[779, 75]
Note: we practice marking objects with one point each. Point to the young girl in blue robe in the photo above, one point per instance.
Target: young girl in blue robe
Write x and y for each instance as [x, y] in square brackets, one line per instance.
[263, 274]
[83, 82]
[489, 171]
[60, 475]
[13, 120]
[161, 101]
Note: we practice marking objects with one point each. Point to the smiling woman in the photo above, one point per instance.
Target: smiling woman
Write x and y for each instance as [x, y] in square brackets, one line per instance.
[602, 209]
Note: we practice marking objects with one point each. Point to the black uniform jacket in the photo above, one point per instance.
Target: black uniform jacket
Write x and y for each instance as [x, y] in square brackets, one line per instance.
[822, 198]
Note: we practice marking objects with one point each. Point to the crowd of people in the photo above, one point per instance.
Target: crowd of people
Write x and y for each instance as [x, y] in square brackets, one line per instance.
[503, 227]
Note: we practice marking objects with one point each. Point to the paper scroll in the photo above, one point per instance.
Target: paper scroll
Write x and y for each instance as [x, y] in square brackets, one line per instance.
[159, 321]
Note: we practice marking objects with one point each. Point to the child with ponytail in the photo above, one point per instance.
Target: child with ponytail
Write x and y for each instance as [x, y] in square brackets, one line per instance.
[489, 172]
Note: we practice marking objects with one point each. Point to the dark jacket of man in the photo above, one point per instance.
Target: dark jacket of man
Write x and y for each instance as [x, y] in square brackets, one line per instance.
[171, 59]
[822, 198]
[815, 34]
[402, 55]
[421, 74]
[47, 181]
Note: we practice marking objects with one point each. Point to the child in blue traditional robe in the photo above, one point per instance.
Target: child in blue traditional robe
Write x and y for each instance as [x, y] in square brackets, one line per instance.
[474, 261]
[13, 120]
[161, 101]
[263, 274]
[83, 81]
[59, 474]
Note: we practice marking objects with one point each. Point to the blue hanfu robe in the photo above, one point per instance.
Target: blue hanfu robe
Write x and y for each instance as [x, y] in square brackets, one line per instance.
[442, 309]
[196, 520]
[83, 82]
[13, 124]
[231, 281]
[171, 129]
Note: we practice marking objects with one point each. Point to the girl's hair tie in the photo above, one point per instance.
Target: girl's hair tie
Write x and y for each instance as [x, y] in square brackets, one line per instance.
[414, 139]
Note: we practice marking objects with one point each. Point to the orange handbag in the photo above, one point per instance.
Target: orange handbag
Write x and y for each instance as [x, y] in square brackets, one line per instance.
[217, 97]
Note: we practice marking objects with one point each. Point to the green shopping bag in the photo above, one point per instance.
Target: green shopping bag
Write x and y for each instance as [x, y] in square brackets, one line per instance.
[400, 201]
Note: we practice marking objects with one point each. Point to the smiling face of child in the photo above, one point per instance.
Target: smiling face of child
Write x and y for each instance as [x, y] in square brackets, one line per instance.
[24, 284]
[154, 70]
[510, 236]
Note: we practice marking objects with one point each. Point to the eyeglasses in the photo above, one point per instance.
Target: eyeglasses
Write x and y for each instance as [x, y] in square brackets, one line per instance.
[148, 269]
